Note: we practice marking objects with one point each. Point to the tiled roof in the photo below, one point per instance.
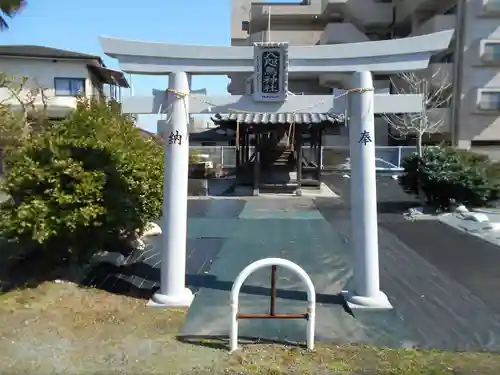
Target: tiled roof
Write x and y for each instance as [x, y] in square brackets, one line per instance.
[109, 76]
[279, 118]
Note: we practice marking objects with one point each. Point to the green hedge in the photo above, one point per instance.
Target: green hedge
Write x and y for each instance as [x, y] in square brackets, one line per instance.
[445, 174]
[85, 184]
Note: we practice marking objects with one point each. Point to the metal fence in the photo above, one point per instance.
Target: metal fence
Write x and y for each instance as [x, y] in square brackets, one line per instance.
[332, 157]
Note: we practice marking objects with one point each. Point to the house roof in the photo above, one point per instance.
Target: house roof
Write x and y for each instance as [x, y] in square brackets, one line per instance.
[106, 75]
[267, 118]
[147, 134]
[45, 52]
[109, 76]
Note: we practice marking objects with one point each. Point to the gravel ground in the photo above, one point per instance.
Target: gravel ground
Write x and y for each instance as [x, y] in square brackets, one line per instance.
[62, 328]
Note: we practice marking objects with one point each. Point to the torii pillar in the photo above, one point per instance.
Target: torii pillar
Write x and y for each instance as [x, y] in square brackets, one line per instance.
[382, 57]
[366, 291]
[173, 291]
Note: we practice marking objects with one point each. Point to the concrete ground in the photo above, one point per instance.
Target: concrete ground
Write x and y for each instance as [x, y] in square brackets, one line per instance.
[442, 284]
[488, 230]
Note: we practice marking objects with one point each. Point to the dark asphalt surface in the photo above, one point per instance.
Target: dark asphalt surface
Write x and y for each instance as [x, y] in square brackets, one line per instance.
[445, 278]
[469, 260]
[390, 197]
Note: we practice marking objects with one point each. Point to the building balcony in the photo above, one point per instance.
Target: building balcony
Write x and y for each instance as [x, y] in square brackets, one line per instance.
[240, 42]
[56, 106]
[293, 37]
[336, 33]
[363, 12]
[382, 86]
[436, 24]
[259, 11]
[59, 106]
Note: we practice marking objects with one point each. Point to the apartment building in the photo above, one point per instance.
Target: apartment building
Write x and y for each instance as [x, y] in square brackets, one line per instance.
[62, 75]
[471, 66]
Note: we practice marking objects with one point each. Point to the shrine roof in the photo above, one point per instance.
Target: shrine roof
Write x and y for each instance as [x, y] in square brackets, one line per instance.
[265, 118]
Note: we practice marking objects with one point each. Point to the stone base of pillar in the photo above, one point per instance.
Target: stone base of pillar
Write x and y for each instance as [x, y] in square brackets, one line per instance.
[298, 192]
[256, 192]
[354, 301]
[183, 299]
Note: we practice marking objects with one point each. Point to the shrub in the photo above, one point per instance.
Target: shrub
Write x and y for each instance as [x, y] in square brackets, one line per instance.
[85, 184]
[444, 174]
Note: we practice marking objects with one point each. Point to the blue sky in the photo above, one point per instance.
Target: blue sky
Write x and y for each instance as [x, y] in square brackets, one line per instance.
[77, 24]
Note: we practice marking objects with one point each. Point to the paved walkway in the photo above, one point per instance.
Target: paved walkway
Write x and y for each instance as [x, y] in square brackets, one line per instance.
[443, 285]
[287, 228]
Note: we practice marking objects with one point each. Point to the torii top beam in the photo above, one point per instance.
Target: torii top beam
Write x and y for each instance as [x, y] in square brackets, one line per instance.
[385, 56]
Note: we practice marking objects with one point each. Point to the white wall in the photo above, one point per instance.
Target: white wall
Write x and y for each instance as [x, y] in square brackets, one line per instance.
[43, 72]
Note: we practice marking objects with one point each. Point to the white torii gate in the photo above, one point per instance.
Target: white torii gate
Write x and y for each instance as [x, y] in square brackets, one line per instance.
[182, 61]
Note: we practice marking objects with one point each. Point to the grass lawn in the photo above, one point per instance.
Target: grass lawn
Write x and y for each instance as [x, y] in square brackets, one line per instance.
[63, 328]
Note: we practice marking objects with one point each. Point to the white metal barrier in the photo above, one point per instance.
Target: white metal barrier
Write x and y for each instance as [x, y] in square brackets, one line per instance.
[273, 262]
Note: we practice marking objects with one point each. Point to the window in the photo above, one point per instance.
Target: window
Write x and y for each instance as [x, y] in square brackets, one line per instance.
[69, 86]
[245, 26]
[491, 51]
[492, 6]
[489, 100]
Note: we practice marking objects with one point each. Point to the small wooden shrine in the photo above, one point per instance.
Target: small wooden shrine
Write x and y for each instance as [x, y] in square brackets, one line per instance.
[279, 152]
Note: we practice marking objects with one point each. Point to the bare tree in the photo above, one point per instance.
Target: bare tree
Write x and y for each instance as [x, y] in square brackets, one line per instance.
[23, 108]
[24, 94]
[426, 121]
